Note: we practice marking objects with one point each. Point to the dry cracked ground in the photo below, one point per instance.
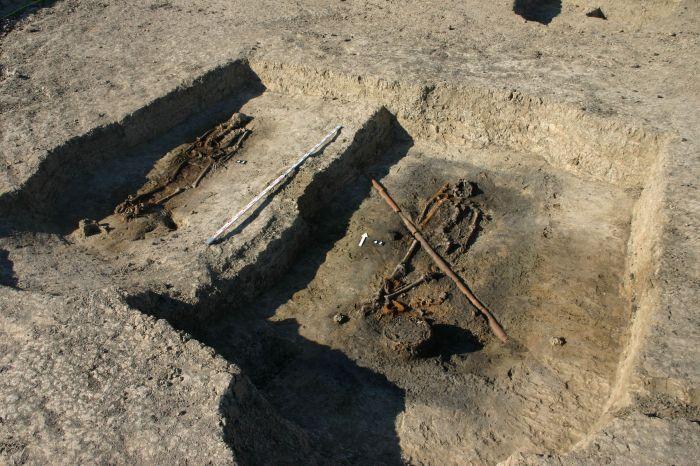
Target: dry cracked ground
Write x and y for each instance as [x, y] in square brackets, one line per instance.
[548, 149]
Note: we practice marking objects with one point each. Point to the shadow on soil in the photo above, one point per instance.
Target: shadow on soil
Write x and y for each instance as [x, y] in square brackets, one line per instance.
[451, 340]
[7, 274]
[541, 11]
[347, 412]
[12, 11]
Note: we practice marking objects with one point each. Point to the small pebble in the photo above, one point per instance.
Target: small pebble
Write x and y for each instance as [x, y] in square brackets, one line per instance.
[557, 341]
[340, 318]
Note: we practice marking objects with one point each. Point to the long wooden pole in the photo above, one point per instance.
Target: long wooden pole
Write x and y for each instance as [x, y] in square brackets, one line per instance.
[440, 262]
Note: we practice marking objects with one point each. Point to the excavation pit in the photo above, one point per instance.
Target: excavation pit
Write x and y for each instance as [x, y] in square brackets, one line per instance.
[549, 262]
[549, 257]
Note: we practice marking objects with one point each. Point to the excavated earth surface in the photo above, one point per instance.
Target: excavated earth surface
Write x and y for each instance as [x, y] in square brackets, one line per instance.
[566, 135]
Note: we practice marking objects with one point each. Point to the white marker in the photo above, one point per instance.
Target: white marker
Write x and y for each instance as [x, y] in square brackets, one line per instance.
[362, 239]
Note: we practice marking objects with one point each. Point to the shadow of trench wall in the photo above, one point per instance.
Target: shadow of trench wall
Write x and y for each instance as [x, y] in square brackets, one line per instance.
[7, 272]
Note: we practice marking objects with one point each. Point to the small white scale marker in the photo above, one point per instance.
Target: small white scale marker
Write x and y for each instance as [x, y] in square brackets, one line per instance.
[362, 239]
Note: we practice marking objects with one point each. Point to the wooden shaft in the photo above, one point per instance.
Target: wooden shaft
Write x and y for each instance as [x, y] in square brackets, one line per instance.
[440, 262]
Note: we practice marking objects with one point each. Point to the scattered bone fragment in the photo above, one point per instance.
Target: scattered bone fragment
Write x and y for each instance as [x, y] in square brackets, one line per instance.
[202, 174]
[170, 196]
[231, 137]
[393, 308]
[231, 151]
[423, 279]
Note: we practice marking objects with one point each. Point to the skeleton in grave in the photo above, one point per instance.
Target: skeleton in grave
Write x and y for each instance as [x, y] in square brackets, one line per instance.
[184, 167]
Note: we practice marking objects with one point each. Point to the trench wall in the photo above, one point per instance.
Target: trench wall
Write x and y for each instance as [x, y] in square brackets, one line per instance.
[591, 146]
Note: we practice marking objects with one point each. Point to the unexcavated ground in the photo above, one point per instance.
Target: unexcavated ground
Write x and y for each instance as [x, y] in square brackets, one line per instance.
[546, 149]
